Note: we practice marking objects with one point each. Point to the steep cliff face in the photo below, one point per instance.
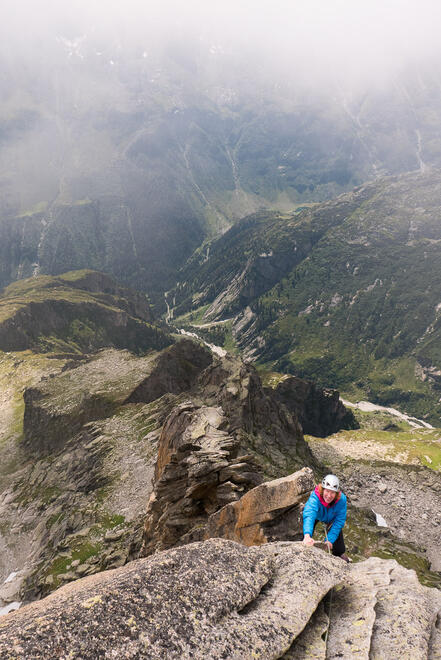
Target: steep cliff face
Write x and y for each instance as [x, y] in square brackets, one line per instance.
[319, 411]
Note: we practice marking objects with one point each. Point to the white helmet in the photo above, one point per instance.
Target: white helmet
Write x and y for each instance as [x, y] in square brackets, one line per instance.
[331, 482]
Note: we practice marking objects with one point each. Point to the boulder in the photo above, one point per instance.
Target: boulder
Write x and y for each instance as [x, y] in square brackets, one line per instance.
[271, 511]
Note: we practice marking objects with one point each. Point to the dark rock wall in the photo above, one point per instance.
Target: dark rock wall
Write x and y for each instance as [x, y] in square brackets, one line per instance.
[319, 411]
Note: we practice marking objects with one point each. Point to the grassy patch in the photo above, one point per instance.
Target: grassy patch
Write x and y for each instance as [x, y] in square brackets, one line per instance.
[195, 316]
[110, 521]
[379, 421]
[229, 342]
[416, 446]
[270, 378]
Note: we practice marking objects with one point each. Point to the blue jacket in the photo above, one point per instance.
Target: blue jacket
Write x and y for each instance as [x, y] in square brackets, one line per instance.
[334, 514]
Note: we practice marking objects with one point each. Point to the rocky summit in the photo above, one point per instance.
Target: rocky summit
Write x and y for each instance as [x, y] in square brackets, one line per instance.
[219, 599]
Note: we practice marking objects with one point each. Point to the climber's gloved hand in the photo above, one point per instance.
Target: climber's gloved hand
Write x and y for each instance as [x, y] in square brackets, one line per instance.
[307, 540]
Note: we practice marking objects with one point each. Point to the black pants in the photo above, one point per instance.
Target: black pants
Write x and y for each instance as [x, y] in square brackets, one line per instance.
[338, 547]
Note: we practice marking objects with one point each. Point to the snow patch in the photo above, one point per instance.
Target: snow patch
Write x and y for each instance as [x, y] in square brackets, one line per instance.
[10, 577]
[10, 607]
[367, 406]
[380, 520]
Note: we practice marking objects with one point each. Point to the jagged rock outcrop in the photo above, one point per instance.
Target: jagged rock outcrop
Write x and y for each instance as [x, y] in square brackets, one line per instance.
[215, 447]
[219, 599]
[175, 370]
[319, 410]
[269, 512]
[198, 470]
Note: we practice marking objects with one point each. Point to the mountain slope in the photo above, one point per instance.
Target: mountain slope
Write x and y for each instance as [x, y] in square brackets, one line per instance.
[76, 312]
[356, 304]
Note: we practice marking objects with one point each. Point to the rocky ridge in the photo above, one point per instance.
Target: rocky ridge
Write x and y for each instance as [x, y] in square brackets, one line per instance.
[92, 435]
[219, 599]
[210, 455]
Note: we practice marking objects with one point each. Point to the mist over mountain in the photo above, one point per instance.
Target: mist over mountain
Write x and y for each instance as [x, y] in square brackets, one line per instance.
[129, 136]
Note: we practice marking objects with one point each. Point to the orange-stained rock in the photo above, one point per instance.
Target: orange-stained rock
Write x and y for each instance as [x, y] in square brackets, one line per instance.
[271, 511]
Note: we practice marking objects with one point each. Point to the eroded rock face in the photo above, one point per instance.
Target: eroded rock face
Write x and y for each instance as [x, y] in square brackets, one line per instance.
[219, 599]
[379, 611]
[214, 447]
[198, 470]
[266, 513]
[319, 411]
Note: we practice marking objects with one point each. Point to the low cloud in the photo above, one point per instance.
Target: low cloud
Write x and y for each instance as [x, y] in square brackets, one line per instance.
[347, 39]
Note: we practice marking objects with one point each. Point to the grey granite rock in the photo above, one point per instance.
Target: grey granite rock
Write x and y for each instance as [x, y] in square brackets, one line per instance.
[352, 613]
[311, 644]
[219, 599]
[215, 599]
[404, 617]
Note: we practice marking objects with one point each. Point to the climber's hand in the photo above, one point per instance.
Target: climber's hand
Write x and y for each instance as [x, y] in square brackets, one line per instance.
[307, 540]
[329, 544]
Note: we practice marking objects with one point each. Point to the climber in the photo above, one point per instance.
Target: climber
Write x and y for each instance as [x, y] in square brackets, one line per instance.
[327, 504]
